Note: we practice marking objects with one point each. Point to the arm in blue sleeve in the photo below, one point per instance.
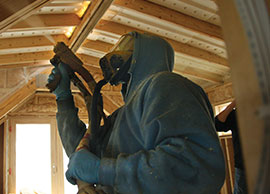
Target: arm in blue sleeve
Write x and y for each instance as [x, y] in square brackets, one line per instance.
[71, 129]
[182, 152]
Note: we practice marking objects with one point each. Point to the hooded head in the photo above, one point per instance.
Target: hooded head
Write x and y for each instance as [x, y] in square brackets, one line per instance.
[150, 54]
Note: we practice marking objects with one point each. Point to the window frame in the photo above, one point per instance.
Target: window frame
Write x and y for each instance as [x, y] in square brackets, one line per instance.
[57, 174]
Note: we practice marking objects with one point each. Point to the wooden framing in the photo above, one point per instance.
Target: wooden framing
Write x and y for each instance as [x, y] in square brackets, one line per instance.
[195, 25]
[226, 144]
[2, 158]
[200, 74]
[35, 41]
[89, 60]
[93, 14]
[18, 97]
[11, 178]
[20, 10]
[220, 94]
[97, 45]
[47, 21]
[248, 86]
[57, 175]
[57, 160]
[41, 63]
[26, 57]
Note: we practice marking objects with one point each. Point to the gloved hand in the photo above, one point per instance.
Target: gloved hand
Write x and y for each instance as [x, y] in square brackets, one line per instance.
[62, 91]
[83, 165]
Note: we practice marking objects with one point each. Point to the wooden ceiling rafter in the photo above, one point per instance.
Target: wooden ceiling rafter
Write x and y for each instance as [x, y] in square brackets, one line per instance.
[200, 74]
[25, 42]
[93, 14]
[24, 8]
[45, 21]
[203, 10]
[29, 44]
[17, 97]
[97, 45]
[25, 57]
[89, 60]
[41, 63]
[164, 13]
[60, 8]
[166, 29]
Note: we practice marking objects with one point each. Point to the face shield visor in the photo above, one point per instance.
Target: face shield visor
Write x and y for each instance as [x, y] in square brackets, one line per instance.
[115, 65]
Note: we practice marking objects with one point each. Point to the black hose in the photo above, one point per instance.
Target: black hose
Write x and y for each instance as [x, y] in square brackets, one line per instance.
[97, 101]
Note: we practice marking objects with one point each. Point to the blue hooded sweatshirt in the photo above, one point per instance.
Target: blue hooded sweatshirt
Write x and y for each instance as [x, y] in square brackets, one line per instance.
[163, 139]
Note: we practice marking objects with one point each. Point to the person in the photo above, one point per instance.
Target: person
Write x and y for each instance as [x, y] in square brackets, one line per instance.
[162, 140]
[225, 121]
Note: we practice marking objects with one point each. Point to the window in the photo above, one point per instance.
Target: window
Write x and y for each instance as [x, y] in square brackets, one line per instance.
[33, 158]
[35, 162]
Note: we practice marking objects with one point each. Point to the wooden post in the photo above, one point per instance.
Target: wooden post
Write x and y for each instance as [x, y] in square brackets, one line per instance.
[245, 25]
[2, 171]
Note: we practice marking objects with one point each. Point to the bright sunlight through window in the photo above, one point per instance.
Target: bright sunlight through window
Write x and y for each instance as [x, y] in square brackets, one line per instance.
[33, 159]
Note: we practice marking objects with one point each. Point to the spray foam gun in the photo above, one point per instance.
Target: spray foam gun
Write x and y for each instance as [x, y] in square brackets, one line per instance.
[74, 64]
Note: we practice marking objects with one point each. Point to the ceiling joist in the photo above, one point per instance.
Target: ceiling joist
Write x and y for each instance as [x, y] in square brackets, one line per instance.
[47, 21]
[43, 63]
[17, 98]
[34, 41]
[12, 11]
[93, 14]
[163, 13]
[97, 45]
[200, 74]
[89, 60]
[26, 57]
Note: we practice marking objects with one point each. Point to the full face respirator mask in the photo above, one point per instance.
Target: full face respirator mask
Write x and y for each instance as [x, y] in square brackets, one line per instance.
[115, 65]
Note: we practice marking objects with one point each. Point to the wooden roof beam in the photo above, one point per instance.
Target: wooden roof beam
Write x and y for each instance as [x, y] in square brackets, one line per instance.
[20, 65]
[220, 94]
[12, 11]
[17, 97]
[200, 74]
[47, 21]
[170, 15]
[26, 57]
[33, 41]
[97, 45]
[89, 60]
[94, 12]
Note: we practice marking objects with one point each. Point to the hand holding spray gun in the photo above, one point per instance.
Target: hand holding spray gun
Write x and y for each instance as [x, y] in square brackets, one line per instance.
[73, 64]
